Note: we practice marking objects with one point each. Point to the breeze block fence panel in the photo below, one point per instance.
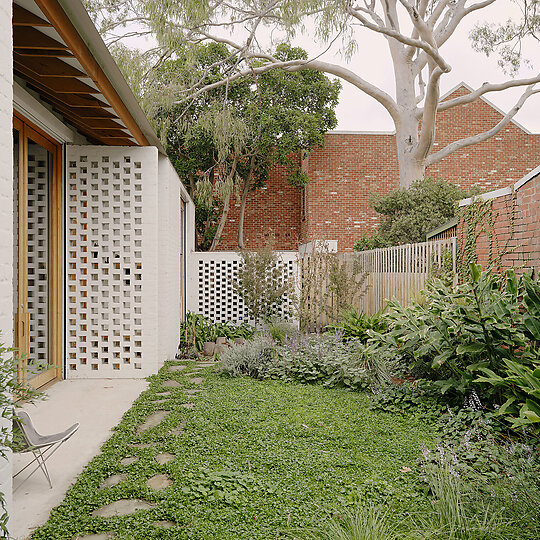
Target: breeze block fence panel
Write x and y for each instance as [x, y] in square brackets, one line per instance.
[509, 234]
[122, 281]
[210, 285]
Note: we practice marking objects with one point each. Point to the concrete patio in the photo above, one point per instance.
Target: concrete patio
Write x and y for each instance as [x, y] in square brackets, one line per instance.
[98, 405]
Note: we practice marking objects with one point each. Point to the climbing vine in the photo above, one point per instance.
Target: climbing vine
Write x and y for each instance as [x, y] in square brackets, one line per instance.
[479, 219]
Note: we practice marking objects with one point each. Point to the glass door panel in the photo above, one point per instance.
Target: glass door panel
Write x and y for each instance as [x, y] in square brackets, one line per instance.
[37, 193]
[40, 172]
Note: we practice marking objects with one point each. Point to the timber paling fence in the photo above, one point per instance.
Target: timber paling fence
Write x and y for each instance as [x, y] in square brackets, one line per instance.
[372, 277]
[325, 282]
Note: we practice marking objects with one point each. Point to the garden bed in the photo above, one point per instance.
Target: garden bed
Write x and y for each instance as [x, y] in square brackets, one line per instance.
[242, 459]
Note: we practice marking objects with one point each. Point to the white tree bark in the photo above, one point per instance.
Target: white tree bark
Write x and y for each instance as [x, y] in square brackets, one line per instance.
[418, 63]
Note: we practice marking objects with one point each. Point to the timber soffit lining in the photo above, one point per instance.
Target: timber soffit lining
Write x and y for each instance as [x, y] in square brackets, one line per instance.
[53, 60]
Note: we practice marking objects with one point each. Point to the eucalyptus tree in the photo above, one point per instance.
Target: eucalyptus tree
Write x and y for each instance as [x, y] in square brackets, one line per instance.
[227, 139]
[414, 31]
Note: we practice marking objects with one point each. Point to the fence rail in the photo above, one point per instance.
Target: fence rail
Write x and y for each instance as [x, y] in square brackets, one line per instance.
[372, 277]
[325, 282]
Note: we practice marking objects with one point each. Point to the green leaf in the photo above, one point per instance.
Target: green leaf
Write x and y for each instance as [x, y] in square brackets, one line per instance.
[506, 404]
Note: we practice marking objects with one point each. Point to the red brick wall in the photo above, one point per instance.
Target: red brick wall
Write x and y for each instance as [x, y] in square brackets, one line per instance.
[351, 166]
[516, 230]
[272, 216]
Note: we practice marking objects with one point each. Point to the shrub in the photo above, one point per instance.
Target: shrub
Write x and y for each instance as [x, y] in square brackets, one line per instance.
[354, 324]
[324, 359]
[261, 284]
[280, 330]
[407, 214]
[457, 332]
[251, 359]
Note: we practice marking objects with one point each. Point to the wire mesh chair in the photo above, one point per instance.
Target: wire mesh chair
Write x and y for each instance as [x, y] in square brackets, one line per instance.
[41, 446]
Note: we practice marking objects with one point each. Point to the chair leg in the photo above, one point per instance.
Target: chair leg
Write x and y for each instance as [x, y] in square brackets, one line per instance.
[40, 458]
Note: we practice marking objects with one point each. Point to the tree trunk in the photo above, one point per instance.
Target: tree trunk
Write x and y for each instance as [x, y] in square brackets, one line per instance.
[410, 167]
[245, 192]
[221, 225]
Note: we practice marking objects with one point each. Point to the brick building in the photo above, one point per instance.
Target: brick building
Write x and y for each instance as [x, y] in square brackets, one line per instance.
[353, 165]
[508, 232]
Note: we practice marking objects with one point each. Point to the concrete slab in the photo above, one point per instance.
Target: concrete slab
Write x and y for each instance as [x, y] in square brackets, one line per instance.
[98, 405]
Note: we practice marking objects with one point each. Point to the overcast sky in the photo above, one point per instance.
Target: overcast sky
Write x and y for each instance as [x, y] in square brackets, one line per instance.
[358, 112]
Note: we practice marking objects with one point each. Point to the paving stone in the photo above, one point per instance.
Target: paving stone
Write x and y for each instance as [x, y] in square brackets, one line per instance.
[159, 481]
[123, 507]
[171, 384]
[112, 480]
[163, 394]
[142, 445]
[164, 458]
[160, 401]
[207, 364]
[177, 368]
[192, 392]
[188, 405]
[164, 524]
[153, 420]
[196, 380]
[128, 460]
[179, 429]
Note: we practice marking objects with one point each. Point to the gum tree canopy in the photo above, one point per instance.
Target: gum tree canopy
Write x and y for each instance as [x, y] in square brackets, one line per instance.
[414, 30]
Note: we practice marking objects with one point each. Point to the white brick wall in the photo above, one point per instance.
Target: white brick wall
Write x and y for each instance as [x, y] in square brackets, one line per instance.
[113, 264]
[6, 207]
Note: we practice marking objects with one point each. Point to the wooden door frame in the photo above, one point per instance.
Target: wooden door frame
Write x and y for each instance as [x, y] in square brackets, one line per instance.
[28, 130]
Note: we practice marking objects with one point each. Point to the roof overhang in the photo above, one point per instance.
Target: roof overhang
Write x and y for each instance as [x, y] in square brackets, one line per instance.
[58, 52]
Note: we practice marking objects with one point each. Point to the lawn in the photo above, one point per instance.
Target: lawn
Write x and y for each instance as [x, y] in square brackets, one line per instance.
[249, 460]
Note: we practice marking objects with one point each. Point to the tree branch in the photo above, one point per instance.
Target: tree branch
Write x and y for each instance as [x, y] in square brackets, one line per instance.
[480, 137]
[484, 89]
[416, 43]
[430, 112]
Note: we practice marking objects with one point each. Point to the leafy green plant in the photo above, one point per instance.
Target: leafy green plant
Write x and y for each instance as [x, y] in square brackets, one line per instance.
[354, 324]
[197, 329]
[11, 390]
[523, 384]
[458, 331]
[261, 284]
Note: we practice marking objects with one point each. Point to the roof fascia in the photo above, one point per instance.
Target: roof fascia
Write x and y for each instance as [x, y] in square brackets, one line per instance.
[83, 25]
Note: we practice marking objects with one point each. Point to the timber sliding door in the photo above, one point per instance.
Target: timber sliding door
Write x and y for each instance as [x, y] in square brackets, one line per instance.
[38, 254]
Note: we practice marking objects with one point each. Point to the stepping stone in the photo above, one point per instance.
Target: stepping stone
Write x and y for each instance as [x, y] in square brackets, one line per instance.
[188, 405]
[207, 364]
[102, 536]
[160, 401]
[171, 384]
[196, 380]
[123, 507]
[112, 480]
[177, 368]
[164, 524]
[128, 460]
[142, 445]
[163, 394]
[160, 481]
[164, 458]
[153, 420]
[191, 392]
[179, 429]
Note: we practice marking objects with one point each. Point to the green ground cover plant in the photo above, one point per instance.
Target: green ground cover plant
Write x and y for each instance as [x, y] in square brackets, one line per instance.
[255, 460]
